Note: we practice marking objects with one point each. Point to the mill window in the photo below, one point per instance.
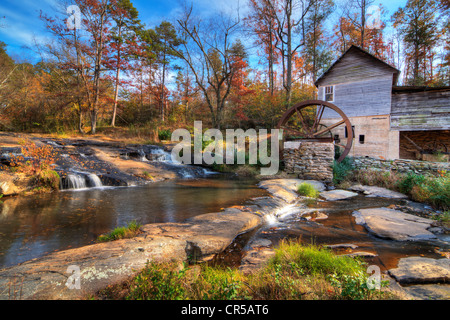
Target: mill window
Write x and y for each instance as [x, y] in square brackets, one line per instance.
[329, 93]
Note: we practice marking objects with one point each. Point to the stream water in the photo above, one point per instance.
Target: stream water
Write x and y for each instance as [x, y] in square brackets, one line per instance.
[294, 222]
[32, 226]
[35, 225]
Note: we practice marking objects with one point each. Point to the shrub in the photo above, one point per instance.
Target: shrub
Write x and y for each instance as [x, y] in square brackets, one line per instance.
[434, 191]
[342, 169]
[158, 282]
[307, 190]
[37, 162]
[49, 178]
[164, 134]
[35, 159]
[407, 184]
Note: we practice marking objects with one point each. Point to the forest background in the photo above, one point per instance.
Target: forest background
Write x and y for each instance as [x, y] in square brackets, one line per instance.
[240, 65]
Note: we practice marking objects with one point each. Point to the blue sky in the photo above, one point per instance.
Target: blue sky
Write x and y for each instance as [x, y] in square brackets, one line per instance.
[22, 26]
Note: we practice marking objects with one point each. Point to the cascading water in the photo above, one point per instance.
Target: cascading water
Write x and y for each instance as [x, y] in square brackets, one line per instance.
[80, 180]
[94, 180]
[162, 155]
[73, 181]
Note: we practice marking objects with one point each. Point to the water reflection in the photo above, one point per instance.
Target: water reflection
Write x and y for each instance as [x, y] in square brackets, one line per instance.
[35, 225]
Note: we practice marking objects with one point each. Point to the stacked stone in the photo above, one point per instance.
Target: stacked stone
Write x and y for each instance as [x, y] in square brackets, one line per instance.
[400, 165]
[310, 160]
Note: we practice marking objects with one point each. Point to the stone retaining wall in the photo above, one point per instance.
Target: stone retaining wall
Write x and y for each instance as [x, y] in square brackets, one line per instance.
[400, 165]
[309, 160]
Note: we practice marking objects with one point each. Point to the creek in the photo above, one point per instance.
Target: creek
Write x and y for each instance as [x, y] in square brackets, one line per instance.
[32, 226]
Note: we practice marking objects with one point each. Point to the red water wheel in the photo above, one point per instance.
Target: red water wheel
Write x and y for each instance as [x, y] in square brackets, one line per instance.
[302, 122]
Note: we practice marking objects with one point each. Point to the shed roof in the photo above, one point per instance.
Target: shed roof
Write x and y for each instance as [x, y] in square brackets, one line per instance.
[354, 48]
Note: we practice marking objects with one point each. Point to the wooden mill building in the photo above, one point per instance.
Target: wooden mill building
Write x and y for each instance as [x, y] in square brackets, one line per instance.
[389, 121]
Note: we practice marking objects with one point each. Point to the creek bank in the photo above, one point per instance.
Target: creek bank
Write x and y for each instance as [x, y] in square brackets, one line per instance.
[197, 239]
[395, 226]
[78, 161]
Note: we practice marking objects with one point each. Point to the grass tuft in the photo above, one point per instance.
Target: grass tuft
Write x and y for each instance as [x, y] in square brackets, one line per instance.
[130, 230]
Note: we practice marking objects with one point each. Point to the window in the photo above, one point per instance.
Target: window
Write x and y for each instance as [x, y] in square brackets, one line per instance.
[346, 132]
[361, 138]
[329, 93]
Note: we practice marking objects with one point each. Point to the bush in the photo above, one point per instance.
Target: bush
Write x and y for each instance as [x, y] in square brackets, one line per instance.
[164, 134]
[434, 191]
[407, 184]
[342, 169]
[49, 178]
[307, 190]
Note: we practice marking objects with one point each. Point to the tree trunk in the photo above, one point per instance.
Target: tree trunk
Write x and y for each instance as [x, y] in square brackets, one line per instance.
[93, 122]
[116, 89]
[116, 97]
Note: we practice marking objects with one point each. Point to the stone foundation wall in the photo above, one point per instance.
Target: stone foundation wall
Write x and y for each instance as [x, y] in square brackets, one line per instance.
[309, 160]
[400, 165]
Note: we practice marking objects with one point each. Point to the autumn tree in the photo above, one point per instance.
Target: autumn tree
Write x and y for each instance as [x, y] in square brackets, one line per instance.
[165, 45]
[316, 52]
[7, 69]
[418, 26]
[206, 49]
[262, 23]
[290, 29]
[123, 43]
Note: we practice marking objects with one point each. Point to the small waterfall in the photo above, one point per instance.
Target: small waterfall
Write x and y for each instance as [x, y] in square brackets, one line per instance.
[161, 155]
[73, 181]
[80, 180]
[94, 180]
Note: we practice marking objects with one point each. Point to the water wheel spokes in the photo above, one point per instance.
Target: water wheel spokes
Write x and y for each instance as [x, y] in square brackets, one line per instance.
[303, 122]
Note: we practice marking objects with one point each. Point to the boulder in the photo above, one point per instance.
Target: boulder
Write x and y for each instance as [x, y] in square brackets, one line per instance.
[429, 291]
[413, 270]
[14, 183]
[286, 189]
[372, 191]
[335, 195]
[396, 225]
[258, 252]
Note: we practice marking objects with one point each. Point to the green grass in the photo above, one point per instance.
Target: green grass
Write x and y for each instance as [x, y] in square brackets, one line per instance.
[296, 271]
[307, 190]
[130, 230]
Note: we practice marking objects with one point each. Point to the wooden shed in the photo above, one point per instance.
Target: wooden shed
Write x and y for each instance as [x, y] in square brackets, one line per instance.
[422, 115]
[385, 117]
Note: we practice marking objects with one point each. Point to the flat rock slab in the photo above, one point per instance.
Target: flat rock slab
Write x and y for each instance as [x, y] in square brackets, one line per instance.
[257, 254]
[429, 291]
[286, 189]
[372, 191]
[335, 195]
[103, 264]
[395, 225]
[414, 270]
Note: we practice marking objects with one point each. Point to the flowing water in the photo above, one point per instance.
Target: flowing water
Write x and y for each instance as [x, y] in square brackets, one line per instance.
[298, 222]
[32, 226]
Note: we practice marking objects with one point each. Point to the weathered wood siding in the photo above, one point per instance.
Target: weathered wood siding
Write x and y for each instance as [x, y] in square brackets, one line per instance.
[414, 111]
[355, 66]
[362, 85]
[368, 97]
